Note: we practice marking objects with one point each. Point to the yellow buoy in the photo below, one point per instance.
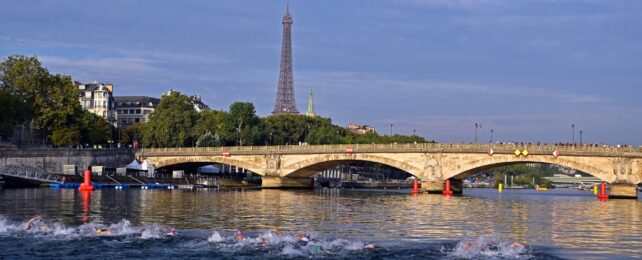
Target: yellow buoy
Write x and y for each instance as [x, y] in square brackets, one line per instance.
[594, 189]
[500, 188]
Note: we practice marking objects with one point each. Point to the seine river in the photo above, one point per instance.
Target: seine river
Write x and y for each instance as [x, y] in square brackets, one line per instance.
[350, 224]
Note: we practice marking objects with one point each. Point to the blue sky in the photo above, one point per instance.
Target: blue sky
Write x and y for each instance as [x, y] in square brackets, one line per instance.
[527, 69]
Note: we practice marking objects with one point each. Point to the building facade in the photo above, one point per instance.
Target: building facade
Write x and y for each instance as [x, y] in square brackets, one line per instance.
[98, 98]
[197, 102]
[360, 129]
[134, 109]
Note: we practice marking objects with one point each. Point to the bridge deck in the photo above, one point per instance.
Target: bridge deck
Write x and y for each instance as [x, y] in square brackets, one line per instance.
[399, 148]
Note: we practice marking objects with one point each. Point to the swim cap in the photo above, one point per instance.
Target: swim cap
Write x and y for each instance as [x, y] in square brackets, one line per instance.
[239, 233]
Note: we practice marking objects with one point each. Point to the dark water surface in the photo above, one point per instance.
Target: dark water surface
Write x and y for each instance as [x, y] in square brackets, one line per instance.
[480, 224]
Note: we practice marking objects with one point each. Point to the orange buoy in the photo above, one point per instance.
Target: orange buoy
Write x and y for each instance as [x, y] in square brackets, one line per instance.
[447, 191]
[415, 186]
[86, 186]
[603, 194]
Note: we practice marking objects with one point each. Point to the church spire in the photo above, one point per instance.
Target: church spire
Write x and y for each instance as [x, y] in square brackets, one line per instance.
[310, 106]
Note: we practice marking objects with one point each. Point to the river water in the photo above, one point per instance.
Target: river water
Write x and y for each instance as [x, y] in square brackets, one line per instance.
[339, 223]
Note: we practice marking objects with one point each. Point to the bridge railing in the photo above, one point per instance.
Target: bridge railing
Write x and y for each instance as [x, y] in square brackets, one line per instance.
[407, 146]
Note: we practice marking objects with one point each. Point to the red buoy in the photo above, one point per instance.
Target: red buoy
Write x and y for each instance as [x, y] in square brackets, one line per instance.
[86, 186]
[603, 194]
[415, 186]
[447, 191]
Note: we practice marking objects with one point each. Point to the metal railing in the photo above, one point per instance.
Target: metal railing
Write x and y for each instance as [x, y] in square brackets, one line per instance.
[30, 174]
[409, 146]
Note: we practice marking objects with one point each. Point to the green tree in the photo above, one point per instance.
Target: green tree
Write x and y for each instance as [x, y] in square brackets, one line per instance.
[59, 107]
[170, 125]
[208, 140]
[292, 129]
[25, 78]
[11, 113]
[51, 101]
[132, 133]
[208, 121]
[65, 137]
[241, 126]
[96, 130]
[327, 134]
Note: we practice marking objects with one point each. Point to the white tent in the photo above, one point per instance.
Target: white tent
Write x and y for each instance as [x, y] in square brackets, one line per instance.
[134, 165]
[144, 165]
[147, 167]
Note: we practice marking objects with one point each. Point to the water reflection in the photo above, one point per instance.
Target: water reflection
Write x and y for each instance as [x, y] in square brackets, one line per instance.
[575, 224]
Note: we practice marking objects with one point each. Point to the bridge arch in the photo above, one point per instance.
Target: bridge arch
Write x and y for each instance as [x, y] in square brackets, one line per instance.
[310, 166]
[469, 168]
[245, 164]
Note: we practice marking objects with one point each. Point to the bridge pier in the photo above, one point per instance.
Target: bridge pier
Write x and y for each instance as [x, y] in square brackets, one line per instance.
[437, 187]
[286, 182]
[623, 191]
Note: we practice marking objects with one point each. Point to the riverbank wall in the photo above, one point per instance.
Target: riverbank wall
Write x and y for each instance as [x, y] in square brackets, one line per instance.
[52, 160]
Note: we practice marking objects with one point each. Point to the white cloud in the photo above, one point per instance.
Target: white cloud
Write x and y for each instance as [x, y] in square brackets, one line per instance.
[113, 65]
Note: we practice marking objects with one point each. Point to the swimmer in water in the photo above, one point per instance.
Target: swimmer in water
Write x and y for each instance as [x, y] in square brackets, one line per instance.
[104, 232]
[302, 236]
[171, 232]
[276, 231]
[29, 224]
[239, 235]
[369, 246]
[472, 244]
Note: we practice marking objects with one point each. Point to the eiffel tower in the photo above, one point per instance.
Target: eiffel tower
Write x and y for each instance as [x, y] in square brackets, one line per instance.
[285, 102]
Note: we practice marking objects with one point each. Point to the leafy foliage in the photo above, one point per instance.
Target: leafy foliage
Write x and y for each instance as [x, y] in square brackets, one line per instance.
[131, 133]
[49, 101]
[11, 113]
[28, 93]
[96, 130]
[241, 126]
[208, 140]
[170, 125]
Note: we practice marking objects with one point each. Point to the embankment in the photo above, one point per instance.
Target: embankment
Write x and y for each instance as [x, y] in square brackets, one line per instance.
[51, 160]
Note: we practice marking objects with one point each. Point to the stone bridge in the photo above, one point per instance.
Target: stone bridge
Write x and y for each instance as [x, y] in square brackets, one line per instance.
[292, 166]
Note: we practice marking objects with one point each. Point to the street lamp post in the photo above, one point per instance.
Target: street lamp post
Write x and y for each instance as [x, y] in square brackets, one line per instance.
[491, 135]
[573, 127]
[581, 137]
[476, 127]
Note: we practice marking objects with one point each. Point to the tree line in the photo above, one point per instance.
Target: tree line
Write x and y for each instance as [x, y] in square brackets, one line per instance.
[47, 103]
[50, 105]
[175, 123]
